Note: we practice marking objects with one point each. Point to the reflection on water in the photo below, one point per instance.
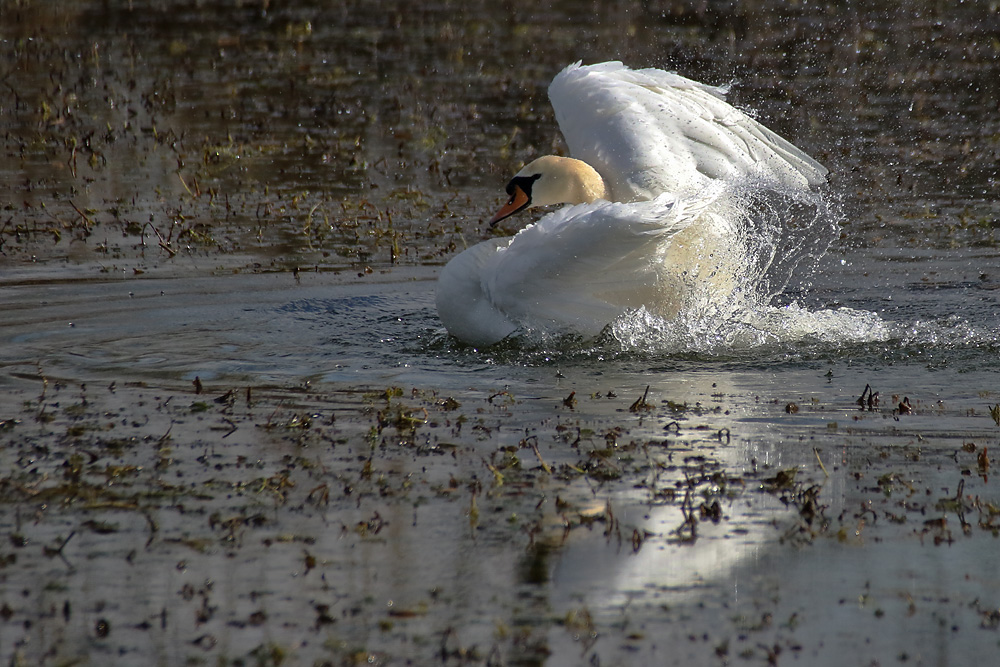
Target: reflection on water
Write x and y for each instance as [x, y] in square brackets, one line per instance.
[259, 195]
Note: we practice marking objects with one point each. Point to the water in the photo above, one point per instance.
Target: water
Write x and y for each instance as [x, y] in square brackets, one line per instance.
[235, 432]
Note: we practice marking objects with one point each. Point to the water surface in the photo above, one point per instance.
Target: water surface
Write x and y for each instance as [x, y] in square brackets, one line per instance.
[235, 432]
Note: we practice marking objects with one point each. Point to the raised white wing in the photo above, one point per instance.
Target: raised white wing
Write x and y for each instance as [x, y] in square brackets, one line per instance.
[648, 132]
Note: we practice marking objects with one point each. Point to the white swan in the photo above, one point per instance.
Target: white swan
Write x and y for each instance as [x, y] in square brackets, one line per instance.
[650, 223]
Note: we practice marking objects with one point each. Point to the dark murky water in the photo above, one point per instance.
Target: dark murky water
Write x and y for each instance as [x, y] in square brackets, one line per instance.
[234, 431]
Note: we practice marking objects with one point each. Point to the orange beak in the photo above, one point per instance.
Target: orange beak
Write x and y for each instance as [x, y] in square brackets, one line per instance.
[518, 200]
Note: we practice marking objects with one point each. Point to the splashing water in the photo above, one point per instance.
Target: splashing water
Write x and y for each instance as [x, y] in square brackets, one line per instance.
[777, 235]
[747, 330]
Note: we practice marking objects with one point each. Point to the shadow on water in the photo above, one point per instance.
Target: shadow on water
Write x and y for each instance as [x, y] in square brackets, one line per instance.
[234, 430]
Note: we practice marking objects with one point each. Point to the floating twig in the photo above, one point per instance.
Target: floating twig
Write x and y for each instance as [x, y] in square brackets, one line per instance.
[534, 448]
[820, 461]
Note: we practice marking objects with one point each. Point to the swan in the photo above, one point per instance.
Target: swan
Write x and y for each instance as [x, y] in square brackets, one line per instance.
[648, 222]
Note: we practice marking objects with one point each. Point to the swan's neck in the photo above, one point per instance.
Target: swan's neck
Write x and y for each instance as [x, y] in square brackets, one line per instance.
[587, 184]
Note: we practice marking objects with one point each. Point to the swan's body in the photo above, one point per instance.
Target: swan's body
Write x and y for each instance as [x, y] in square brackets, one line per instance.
[651, 224]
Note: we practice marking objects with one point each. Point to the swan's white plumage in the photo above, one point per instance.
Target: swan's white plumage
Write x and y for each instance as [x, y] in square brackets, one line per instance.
[665, 146]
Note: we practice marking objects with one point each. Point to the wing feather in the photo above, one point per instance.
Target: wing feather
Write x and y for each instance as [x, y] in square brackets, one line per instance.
[649, 131]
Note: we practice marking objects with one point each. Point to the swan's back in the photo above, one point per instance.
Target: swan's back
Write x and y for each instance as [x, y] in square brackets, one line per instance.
[649, 131]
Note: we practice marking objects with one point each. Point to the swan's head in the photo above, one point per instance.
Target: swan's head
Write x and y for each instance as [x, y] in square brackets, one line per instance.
[551, 180]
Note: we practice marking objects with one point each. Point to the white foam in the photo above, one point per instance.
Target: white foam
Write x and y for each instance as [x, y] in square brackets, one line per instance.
[728, 333]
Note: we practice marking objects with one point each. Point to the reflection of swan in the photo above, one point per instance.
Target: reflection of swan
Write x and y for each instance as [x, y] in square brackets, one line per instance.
[652, 222]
